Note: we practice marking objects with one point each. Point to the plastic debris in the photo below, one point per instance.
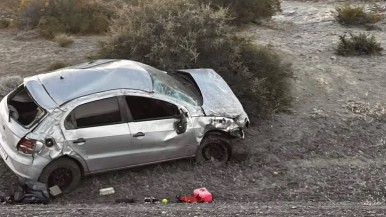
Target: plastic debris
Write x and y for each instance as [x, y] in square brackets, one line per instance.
[106, 191]
[151, 200]
[55, 191]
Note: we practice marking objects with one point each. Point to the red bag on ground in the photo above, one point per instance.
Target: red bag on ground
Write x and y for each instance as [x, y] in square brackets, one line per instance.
[200, 195]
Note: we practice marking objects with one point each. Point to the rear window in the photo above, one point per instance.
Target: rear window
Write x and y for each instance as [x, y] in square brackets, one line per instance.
[93, 114]
[23, 108]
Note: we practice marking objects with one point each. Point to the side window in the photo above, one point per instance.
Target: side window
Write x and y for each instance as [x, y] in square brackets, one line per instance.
[92, 114]
[143, 108]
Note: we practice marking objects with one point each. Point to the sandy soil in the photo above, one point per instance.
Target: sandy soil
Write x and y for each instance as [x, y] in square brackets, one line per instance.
[326, 157]
[25, 53]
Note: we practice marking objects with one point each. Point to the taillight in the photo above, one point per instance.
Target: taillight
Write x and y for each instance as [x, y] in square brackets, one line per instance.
[27, 146]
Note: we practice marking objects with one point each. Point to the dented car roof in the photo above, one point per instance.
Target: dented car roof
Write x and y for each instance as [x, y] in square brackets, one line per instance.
[56, 88]
[70, 83]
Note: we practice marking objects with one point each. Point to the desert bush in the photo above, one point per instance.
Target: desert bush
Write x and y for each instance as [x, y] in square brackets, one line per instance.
[355, 15]
[8, 83]
[360, 44]
[246, 10]
[64, 40]
[57, 65]
[175, 34]
[70, 16]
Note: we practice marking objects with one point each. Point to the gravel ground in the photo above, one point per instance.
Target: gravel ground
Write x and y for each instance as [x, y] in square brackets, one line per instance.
[324, 158]
[215, 209]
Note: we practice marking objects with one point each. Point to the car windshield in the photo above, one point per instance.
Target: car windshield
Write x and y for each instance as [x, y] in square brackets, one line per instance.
[167, 85]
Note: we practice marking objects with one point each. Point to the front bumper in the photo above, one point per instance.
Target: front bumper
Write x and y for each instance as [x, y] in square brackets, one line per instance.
[24, 166]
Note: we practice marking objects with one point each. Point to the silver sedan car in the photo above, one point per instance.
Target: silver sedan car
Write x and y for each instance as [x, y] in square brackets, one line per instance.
[112, 114]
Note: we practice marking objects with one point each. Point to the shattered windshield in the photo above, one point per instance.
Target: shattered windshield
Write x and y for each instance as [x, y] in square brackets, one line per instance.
[169, 86]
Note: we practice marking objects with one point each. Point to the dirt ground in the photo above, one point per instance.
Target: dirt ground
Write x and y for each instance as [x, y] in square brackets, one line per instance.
[324, 158]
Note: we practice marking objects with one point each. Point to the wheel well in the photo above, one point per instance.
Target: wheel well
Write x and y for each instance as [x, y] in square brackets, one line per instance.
[222, 134]
[218, 133]
[72, 159]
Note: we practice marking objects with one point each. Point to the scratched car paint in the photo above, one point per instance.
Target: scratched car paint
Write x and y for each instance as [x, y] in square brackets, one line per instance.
[113, 114]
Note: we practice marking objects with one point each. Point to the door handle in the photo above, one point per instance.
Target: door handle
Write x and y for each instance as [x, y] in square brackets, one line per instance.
[80, 140]
[139, 134]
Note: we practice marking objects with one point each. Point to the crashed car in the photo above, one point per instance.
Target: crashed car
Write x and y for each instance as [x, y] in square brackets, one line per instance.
[112, 114]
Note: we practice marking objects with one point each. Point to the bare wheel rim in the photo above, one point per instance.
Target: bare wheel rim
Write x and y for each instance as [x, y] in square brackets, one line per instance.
[62, 177]
[215, 153]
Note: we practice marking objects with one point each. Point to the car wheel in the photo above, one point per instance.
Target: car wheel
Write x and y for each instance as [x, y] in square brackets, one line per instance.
[62, 172]
[214, 149]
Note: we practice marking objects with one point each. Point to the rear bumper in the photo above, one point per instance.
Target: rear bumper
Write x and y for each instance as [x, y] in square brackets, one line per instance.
[25, 167]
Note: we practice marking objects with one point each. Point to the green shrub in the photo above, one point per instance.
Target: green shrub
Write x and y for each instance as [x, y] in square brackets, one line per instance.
[360, 44]
[70, 16]
[64, 40]
[355, 15]
[244, 11]
[175, 34]
[8, 83]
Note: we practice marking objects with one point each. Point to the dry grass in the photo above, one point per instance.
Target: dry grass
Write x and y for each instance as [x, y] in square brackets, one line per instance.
[9, 6]
[360, 44]
[366, 110]
[247, 10]
[69, 16]
[355, 15]
[57, 65]
[64, 40]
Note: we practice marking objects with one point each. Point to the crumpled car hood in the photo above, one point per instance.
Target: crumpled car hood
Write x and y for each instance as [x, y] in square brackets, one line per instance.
[218, 98]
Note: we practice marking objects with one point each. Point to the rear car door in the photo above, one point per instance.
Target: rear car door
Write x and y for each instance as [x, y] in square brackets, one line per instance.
[153, 130]
[99, 133]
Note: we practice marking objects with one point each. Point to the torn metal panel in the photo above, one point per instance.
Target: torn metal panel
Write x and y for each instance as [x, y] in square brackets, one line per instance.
[50, 128]
[38, 92]
[206, 124]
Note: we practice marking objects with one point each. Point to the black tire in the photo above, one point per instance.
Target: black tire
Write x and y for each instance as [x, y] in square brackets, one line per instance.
[63, 172]
[214, 149]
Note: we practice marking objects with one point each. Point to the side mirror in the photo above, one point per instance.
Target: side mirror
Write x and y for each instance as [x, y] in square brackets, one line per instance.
[182, 123]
